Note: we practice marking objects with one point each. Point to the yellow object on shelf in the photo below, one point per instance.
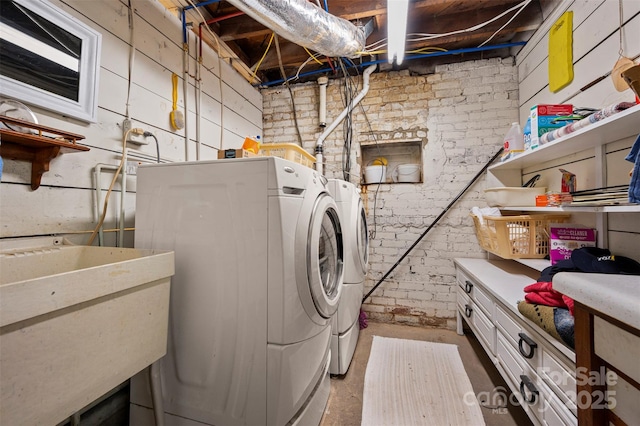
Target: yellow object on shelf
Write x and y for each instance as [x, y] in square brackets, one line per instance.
[251, 145]
[380, 161]
[288, 151]
[561, 52]
[516, 237]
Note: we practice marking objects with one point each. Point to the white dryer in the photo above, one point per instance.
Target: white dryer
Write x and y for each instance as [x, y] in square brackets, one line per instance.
[259, 268]
[345, 324]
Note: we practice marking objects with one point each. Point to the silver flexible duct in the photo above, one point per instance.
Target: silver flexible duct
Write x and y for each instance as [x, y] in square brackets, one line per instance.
[305, 24]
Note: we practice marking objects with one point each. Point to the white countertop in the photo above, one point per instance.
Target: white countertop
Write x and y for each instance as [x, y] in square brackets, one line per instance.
[617, 296]
[506, 280]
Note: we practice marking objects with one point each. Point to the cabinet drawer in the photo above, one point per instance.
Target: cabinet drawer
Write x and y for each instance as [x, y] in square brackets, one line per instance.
[485, 329]
[556, 413]
[624, 402]
[475, 291]
[477, 320]
[526, 343]
[561, 379]
[532, 401]
[617, 346]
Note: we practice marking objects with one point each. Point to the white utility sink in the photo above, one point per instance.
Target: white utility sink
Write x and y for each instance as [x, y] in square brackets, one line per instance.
[75, 322]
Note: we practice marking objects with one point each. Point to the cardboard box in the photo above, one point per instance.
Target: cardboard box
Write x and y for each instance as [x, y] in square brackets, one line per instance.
[542, 120]
[549, 109]
[566, 237]
[234, 153]
[568, 182]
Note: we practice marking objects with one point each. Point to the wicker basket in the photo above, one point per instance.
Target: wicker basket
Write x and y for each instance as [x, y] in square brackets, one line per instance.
[288, 151]
[516, 237]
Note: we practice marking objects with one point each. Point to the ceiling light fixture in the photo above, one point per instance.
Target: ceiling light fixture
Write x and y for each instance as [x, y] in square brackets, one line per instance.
[396, 29]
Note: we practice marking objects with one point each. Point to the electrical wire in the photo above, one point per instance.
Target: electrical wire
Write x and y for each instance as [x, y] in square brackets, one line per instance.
[286, 83]
[372, 233]
[414, 37]
[507, 23]
[312, 56]
[147, 134]
[253, 75]
[296, 76]
[113, 182]
[219, 55]
[132, 55]
[350, 89]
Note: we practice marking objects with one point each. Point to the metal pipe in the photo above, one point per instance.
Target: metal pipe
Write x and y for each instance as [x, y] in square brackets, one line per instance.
[322, 107]
[156, 392]
[198, 92]
[185, 87]
[123, 193]
[343, 114]
[204, 3]
[223, 17]
[407, 58]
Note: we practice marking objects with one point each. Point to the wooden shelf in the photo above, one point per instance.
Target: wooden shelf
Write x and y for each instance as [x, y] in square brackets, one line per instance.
[39, 147]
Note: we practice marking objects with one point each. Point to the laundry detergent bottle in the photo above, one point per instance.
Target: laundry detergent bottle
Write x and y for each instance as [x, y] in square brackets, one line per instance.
[513, 142]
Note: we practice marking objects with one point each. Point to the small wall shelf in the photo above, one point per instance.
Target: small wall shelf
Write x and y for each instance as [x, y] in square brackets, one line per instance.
[396, 152]
[39, 147]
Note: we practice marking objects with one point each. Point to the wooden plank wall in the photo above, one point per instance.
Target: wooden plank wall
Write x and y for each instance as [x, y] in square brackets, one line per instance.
[596, 41]
[65, 202]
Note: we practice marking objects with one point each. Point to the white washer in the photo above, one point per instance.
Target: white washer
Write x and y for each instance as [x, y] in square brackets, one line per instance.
[345, 324]
[259, 268]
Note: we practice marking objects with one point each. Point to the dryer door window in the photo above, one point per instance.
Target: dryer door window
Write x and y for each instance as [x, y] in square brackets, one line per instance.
[325, 257]
[363, 237]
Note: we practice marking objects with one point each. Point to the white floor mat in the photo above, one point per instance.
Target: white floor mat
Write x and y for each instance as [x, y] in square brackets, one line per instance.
[411, 382]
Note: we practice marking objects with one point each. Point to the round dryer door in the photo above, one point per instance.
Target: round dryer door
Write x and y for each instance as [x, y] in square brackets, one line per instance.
[362, 237]
[325, 257]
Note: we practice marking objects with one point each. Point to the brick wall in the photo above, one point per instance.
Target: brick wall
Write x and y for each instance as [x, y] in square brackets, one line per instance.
[460, 113]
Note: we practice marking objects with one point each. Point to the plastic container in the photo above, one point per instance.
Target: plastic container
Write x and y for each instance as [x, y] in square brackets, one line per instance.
[252, 145]
[513, 197]
[406, 173]
[526, 134]
[516, 237]
[513, 142]
[375, 174]
[288, 151]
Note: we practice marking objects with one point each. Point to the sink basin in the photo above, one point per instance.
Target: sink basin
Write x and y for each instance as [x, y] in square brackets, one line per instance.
[75, 322]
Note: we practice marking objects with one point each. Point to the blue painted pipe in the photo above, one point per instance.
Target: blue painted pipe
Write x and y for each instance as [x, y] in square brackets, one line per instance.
[407, 58]
[204, 3]
[184, 19]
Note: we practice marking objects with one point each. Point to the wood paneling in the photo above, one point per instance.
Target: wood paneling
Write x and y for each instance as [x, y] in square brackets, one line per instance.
[595, 50]
[66, 200]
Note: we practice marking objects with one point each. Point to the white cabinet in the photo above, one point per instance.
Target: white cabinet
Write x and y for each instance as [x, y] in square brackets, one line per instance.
[539, 369]
[607, 345]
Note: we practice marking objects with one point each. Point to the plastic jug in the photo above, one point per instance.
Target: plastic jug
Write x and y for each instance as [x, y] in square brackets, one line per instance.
[513, 142]
[252, 145]
[527, 134]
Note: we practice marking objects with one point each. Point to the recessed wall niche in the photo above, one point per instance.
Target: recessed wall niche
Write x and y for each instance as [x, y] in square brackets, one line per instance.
[403, 157]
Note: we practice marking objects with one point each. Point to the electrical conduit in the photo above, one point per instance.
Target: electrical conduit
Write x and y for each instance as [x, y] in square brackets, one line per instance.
[365, 88]
[185, 88]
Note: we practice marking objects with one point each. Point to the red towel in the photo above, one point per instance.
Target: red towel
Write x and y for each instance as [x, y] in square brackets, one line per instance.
[542, 293]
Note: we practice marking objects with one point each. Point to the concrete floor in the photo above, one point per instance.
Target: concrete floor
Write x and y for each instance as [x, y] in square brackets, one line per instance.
[345, 400]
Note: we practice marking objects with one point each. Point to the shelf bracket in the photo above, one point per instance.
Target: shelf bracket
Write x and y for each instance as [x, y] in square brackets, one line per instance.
[40, 164]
